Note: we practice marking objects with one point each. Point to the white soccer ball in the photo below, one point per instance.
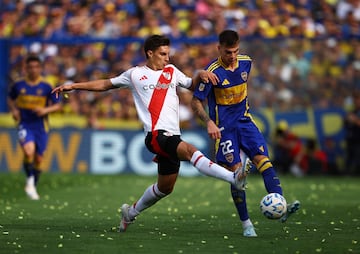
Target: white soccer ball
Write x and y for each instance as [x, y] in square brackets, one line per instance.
[273, 206]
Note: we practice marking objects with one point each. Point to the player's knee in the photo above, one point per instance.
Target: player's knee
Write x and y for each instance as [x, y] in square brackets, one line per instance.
[234, 167]
[29, 155]
[185, 151]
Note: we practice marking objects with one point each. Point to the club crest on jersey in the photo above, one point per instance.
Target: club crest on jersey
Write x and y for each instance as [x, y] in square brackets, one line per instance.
[201, 87]
[229, 157]
[244, 75]
[167, 75]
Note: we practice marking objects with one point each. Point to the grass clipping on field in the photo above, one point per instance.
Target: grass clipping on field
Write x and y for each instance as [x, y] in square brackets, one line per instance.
[80, 214]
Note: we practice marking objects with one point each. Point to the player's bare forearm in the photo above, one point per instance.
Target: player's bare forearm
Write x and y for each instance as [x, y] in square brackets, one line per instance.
[95, 85]
[54, 108]
[198, 108]
[48, 110]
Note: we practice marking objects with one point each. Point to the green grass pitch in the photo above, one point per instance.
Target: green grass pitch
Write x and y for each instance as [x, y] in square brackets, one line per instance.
[79, 213]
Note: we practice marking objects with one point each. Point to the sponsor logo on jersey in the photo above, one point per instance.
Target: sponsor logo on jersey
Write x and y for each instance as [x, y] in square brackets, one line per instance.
[158, 86]
[230, 95]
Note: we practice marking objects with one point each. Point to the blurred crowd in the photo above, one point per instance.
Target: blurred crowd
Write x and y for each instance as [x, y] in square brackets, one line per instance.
[305, 53]
[176, 18]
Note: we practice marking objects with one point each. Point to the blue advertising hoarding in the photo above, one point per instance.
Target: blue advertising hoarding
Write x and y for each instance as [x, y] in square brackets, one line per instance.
[72, 150]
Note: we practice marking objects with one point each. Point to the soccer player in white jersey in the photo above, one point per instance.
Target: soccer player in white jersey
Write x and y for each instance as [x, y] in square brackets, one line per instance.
[153, 87]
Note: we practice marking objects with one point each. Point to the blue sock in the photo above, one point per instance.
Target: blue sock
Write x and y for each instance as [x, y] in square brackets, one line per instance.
[239, 199]
[28, 168]
[271, 181]
[36, 174]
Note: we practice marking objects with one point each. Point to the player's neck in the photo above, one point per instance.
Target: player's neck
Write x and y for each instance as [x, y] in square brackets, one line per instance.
[229, 65]
[154, 66]
[33, 80]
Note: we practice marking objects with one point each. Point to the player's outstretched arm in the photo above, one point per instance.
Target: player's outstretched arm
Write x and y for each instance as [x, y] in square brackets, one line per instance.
[95, 85]
[47, 110]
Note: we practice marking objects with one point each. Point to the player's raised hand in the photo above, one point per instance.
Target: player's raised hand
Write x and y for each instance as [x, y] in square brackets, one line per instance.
[207, 76]
[63, 88]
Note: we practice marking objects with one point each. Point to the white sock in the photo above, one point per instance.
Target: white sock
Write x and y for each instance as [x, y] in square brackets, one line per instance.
[246, 223]
[149, 198]
[207, 167]
[30, 181]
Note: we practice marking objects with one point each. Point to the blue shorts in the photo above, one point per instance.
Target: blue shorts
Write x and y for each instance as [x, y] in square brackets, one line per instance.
[37, 135]
[244, 136]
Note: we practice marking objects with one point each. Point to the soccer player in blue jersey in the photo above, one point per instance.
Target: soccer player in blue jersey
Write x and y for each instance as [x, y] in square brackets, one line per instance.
[30, 101]
[229, 122]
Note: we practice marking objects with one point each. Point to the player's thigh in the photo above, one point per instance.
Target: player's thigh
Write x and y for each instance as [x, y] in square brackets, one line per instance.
[164, 146]
[228, 150]
[41, 140]
[185, 151]
[29, 149]
[252, 141]
[162, 143]
[26, 139]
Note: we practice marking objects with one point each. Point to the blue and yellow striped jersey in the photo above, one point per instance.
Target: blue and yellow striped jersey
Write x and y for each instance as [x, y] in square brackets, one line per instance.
[227, 100]
[28, 97]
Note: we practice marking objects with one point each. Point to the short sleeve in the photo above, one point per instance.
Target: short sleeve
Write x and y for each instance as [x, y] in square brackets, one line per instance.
[182, 79]
[123, 80]
[202, 90]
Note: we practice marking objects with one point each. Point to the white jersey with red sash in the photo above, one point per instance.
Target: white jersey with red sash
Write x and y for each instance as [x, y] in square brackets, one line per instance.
[155, 95]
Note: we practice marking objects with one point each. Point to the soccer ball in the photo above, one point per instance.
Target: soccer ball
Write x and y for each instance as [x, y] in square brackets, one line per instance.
[273, 206]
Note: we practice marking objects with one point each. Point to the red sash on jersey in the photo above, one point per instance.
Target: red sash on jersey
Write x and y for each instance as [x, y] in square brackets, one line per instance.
[158, 97]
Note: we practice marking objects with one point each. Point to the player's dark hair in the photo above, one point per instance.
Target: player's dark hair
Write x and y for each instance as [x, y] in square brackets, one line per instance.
[229, 38]
[154, 42]
[33, 58]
